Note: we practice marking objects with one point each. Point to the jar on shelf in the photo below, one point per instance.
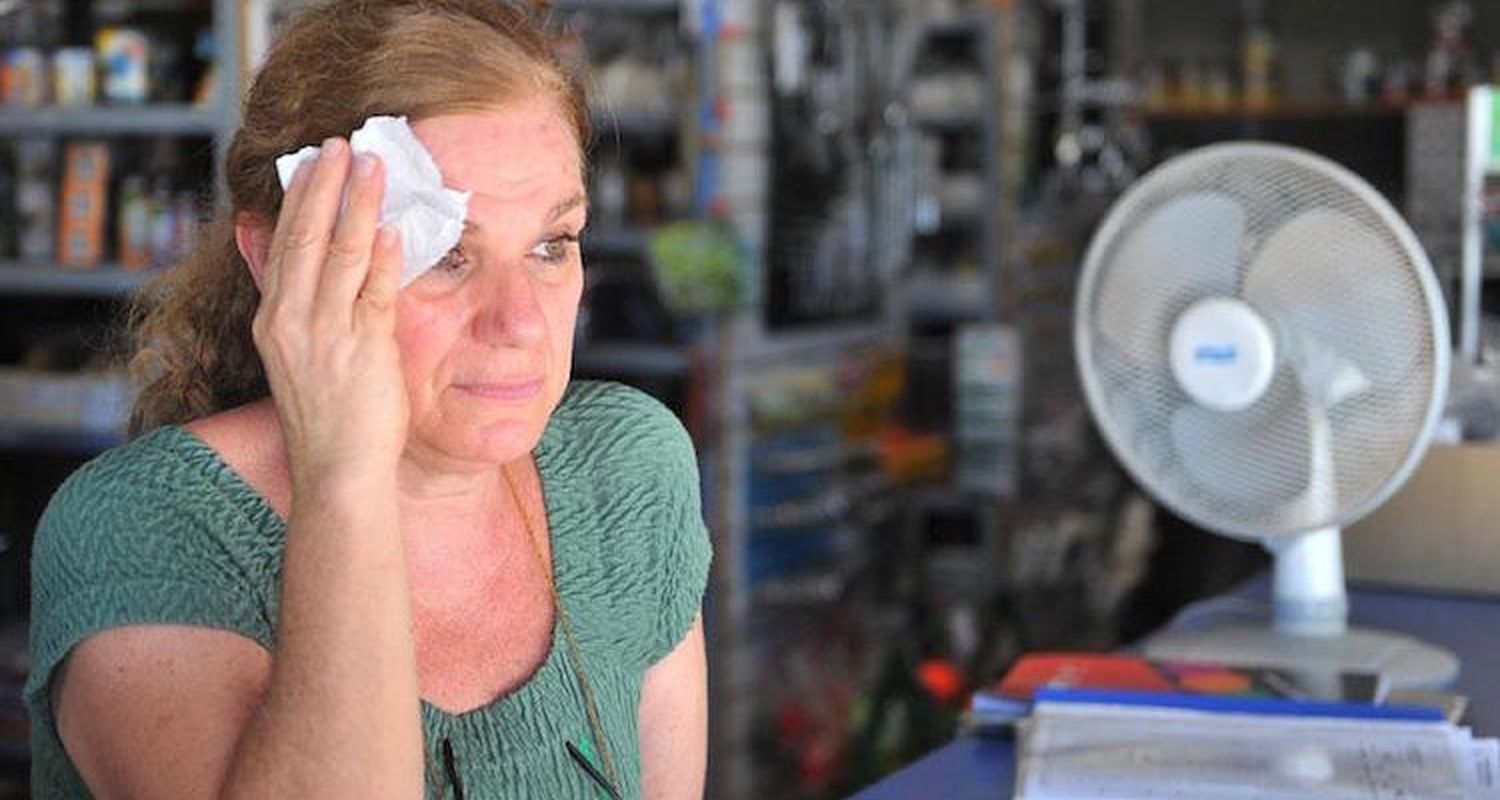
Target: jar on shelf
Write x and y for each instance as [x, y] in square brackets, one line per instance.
[123, 55]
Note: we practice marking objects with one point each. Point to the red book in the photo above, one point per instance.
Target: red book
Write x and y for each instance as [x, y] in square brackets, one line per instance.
[1122, 672]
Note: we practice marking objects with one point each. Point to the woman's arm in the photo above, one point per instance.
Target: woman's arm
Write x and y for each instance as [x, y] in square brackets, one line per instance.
[672, 721]
[339, 715]
[171, 711]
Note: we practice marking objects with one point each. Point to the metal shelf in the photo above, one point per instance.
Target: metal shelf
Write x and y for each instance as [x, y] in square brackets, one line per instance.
[962, 26]
[960, 296]
[645, 359]
[629, 6]
[774, 350]
[619, 241]
[58, 440]
[626, 122]
[113, 120]
[106, 280]
[956, 121]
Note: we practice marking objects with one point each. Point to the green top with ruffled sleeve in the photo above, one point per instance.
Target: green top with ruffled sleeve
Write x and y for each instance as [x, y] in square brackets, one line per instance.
[161, 530]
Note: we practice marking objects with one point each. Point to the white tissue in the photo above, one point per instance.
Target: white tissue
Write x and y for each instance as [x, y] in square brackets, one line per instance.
[428, 215]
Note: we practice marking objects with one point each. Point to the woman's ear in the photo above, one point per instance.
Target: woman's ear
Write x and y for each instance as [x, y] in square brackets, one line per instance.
[252, 235]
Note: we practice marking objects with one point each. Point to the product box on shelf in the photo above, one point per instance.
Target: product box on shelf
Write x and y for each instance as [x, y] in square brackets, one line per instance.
[1439, 531]
[83, 205]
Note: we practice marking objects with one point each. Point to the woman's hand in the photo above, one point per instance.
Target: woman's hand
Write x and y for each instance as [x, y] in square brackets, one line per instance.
[326, 322]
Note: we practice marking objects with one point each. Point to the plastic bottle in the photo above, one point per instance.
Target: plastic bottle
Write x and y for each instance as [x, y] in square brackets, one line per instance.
[133, 224]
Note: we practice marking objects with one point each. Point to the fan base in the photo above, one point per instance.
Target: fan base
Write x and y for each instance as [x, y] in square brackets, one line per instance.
[1405, 663]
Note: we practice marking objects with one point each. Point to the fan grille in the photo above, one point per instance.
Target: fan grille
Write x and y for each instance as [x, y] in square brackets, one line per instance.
[1358, 322]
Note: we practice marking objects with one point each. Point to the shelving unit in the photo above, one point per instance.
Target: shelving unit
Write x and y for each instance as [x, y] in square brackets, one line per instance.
[636, 144]
[51, 310]
[33, 281]
[803, 519]
[955, 279]
[967, 139]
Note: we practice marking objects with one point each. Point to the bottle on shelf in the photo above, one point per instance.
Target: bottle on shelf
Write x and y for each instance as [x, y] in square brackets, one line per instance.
[30, 32]
[133, 224]
[1258, 60]
[123, 57]
[73, 78]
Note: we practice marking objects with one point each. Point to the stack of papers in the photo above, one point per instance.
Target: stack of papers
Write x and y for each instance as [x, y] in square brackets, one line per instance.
[1087, 751]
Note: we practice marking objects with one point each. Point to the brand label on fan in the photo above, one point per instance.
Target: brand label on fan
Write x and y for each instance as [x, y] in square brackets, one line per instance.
[1222, 354]
[1216, 353]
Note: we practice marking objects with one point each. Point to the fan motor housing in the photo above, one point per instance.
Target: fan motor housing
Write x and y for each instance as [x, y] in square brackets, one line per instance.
[1223, 354]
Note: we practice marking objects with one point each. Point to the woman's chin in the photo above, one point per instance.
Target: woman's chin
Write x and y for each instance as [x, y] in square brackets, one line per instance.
[493, 442]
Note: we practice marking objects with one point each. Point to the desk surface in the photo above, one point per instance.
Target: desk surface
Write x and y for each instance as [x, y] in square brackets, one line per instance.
[972, 767]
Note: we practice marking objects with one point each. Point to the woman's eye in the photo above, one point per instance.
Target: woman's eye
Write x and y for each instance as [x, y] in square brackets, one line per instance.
[452, 261]
[556, 249]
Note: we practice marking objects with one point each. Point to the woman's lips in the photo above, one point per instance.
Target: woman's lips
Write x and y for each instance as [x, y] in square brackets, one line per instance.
[504, 391]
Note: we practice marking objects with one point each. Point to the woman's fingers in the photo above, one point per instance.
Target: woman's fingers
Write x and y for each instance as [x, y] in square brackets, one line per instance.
[348, 260]
[376, 303]
[300, 242]
[291, 200]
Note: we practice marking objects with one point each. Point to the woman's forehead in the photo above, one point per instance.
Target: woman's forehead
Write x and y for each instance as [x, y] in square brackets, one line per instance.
[510, 150]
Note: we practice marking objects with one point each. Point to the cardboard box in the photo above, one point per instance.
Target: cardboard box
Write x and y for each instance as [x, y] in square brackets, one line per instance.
[1439, 531]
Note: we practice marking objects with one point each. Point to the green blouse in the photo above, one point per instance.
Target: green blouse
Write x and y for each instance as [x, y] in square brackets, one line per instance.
[161, 530]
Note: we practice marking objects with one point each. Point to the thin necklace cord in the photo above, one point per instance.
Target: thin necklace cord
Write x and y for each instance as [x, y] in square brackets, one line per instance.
[575, 657]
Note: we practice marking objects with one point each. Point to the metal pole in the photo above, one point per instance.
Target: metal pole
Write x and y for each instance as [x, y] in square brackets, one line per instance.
[1481, 121]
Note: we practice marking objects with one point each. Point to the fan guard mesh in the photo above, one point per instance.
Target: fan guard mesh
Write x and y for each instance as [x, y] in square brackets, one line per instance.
[1360, 289]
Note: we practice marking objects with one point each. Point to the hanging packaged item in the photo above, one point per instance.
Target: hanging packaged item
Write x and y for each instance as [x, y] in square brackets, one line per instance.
[123, 57]
[80, 232]
[987, 408]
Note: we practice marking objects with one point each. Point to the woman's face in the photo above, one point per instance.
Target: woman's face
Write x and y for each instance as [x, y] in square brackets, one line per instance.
[486, 337]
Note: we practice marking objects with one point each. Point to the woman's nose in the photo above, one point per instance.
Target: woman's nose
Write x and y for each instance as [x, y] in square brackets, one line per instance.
[508, 310]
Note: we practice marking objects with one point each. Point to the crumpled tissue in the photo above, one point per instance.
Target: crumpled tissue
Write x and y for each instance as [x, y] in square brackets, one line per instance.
[428, 215]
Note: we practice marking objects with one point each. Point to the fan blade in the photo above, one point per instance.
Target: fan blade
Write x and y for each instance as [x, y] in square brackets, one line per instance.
[1240, 464]
[1348, 307]
[1353, 323]
[1184, 251]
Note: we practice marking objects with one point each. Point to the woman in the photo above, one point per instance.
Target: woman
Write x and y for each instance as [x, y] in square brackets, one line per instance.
[370, 541]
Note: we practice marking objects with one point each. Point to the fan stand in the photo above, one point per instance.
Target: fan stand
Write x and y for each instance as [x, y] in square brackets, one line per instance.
[1310, 632]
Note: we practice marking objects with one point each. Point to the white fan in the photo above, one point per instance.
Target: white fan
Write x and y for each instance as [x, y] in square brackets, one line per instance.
[1264, 346]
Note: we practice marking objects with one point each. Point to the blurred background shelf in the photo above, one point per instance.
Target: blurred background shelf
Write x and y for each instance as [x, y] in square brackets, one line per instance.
[634, 358]
[630, 6]
[57, 441]
[626, 122]
[106, 280]
[952, 121]
[614, 241]
[112, 120]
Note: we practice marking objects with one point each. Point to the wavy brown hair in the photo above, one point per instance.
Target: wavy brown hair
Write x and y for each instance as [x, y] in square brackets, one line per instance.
[332, 67]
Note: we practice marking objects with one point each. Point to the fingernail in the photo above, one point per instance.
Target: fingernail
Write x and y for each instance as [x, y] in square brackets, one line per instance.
[332, 146]
[364, 165]
[385, 238]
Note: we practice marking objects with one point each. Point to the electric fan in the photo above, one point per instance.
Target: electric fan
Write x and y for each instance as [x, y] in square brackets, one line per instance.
[1264, 346]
